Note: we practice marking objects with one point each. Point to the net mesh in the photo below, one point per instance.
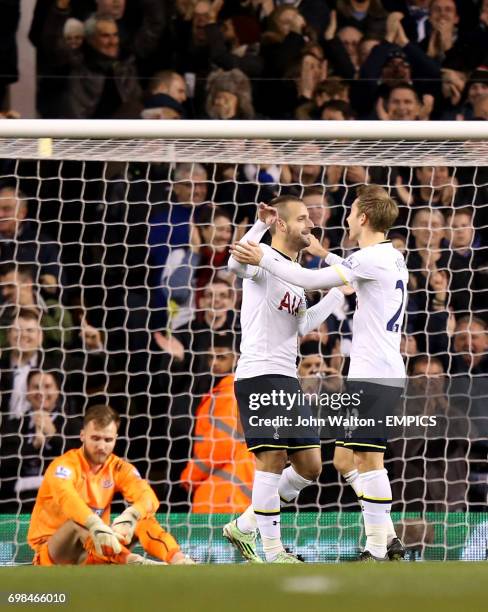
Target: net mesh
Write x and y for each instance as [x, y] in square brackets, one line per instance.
[340, 151]
[119, 248]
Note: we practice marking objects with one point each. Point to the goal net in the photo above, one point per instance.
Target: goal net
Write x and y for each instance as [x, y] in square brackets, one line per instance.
[114, 290]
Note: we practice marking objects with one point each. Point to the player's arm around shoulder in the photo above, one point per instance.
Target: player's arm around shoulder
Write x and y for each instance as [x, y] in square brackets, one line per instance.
[362, 264]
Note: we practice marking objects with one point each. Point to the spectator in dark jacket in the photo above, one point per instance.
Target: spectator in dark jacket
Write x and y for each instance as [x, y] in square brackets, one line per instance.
[46, 430]
[102, 83]
[22, 241]
[235, 44]
[18, 290]
[470, 346]
[8, 46]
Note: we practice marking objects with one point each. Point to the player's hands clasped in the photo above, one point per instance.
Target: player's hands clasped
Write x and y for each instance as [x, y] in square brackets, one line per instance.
[103, 536]
[125, 524]
[247, 253]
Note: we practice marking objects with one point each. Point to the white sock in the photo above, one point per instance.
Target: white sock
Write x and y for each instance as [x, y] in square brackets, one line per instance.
[266, 505]
[246, 522]
[376, 509]
[352, 478]
[291, 483]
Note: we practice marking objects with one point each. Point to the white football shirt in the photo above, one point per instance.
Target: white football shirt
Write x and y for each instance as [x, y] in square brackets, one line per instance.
[379, 275]
[273, 313]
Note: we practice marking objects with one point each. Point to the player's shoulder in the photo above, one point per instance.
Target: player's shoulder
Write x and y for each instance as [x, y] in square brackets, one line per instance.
[356, 259]
[65, 466]
[121, 467]
[378, 255]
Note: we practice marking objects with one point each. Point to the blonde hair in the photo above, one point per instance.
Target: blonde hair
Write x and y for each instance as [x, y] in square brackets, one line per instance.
[378, 206]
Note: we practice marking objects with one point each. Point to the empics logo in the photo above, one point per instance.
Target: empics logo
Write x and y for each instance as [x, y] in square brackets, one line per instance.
[409, 421]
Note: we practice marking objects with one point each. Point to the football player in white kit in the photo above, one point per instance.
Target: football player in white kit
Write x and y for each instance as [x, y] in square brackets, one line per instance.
[273, 314]
[378, 273]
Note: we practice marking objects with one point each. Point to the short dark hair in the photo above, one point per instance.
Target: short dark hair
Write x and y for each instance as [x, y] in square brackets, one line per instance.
[281, 203]
[35, 371]
[312, 347]
[428, 359]
[209, 213]
[337, 105]
[311, 190]
[465, 210]
[30, 314]
[472, 319]
[21, 269]
[224, 340]
[102, 415]
[404, 85]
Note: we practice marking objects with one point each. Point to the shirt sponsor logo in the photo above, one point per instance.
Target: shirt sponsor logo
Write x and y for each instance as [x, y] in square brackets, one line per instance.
[62, 472]
[351, 262]
[290, 306]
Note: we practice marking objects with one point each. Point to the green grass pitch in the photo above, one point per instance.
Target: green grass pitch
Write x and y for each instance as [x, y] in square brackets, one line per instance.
[362, 587]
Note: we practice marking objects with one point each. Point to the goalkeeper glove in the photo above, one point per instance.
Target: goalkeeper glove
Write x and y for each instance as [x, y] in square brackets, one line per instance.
[125, 524]
[102, 535]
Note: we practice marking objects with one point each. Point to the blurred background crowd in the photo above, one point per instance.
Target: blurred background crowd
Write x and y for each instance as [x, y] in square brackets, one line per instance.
[244, 59]
[113, 280]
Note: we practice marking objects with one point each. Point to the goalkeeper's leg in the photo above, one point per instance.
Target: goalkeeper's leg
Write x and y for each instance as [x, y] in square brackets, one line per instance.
[72, 545]
[159, 543]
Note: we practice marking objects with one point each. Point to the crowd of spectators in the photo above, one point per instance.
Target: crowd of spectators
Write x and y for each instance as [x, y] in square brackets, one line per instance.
[114, 285]
[245, 59]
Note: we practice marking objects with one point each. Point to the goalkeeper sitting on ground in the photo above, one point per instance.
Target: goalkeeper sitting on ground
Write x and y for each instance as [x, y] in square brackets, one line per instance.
[70, 520]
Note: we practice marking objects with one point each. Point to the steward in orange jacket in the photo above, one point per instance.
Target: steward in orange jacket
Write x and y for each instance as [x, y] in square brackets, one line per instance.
[221, 471]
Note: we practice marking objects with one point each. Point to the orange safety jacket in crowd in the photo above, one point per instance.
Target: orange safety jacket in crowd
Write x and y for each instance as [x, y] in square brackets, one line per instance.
[221, 472]
[70, 490]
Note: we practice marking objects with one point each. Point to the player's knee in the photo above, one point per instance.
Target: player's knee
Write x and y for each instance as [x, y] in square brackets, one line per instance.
[311, 471]
[370, 461]
[272, 461]
[342, 464]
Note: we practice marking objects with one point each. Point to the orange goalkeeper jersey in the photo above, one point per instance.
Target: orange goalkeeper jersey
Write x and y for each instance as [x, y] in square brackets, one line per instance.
[70, 490]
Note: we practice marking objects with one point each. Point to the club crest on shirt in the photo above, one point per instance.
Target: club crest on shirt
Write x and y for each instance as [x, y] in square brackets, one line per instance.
[106, 484]
[62, 472]
[290, 305]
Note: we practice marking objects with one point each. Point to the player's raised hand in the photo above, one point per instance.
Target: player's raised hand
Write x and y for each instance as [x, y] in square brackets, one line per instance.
[247, 253]
[103, 536]
[267, 214]
[125, 524]
[315, 248]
